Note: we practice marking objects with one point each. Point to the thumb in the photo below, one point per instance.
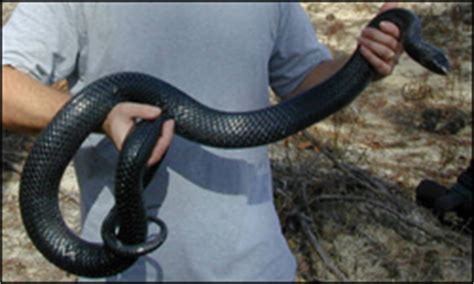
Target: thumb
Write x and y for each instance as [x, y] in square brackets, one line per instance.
[388, 5]
[143, 111]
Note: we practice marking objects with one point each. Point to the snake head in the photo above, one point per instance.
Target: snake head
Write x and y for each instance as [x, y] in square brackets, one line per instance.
[429, 56]
[438, 63]
[426, 54]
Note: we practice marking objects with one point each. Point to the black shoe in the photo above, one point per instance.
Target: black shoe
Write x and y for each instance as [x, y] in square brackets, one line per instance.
[428, 191]
[451, 201]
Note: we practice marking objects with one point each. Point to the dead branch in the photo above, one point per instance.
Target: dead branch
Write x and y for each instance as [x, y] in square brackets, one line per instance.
[347, 169]
[392, 212]
[319, 249]
[14, 154]
[11, 166]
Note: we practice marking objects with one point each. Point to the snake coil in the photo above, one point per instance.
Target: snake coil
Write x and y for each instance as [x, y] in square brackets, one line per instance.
[85, 112]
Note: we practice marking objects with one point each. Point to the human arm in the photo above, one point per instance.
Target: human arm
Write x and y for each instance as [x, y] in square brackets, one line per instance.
[28, 106]
[381, 48]
[41, 45]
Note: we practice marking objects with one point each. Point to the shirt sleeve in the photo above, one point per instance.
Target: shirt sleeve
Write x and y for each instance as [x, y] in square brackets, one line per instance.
[41, 39]
[297, 50]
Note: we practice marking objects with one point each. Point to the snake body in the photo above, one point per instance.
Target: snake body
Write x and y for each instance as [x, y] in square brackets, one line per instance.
[85, 112]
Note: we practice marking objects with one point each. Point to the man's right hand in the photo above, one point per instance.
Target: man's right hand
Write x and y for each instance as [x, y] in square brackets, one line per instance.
[121, 119]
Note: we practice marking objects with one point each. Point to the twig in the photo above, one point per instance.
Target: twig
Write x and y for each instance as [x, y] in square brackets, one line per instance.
[377, 186]
[14, 153]
[350, 171]
[464, 261]
[10, 166]
[68, 198]
[391, 211]
[304, 220]
[319, 249]
[284, 194]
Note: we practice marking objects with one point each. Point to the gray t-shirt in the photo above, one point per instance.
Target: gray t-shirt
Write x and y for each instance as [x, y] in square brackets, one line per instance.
[217, 203]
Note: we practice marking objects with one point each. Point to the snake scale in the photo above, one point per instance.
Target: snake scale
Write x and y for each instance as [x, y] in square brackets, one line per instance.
[85, 112]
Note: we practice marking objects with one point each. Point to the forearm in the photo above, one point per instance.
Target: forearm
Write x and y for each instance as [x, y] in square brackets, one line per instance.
[27, 104]
[380, 47]
[319, 74]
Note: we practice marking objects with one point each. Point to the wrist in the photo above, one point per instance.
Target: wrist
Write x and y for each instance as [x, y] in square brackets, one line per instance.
[105, 127]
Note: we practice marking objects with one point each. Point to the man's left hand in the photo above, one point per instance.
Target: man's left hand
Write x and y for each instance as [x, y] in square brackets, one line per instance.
[382, 47]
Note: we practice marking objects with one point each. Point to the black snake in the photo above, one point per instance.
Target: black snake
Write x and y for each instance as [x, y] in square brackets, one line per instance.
[85, 112]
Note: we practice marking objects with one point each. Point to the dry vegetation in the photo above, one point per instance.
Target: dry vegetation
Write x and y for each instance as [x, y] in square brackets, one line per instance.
[344, 188]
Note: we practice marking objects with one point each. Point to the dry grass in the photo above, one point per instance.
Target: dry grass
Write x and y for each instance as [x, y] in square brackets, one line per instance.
[368, 228]
[346, 197]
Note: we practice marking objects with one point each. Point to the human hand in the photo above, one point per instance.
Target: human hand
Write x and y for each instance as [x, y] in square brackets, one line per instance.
[121, 119]
[382, 47]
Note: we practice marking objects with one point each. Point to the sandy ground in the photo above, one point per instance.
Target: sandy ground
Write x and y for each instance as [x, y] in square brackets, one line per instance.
[388, 114]
[383, 132]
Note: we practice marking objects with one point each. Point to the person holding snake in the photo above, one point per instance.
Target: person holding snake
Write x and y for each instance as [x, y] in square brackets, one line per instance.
[217, 203]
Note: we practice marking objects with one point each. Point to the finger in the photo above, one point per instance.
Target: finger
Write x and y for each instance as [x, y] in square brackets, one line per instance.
[143, 111]
[390, 29]
[382, 51]
[388, 5]
[121, 131]
[163, 142]
[381, 37]
[380, 66]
